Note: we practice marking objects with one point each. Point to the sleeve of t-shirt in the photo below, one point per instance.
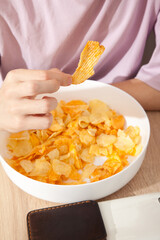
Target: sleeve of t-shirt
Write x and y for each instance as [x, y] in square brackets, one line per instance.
[150, 73]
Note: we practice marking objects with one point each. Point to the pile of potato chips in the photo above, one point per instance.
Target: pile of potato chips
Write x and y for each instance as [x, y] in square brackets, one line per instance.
[69, 151]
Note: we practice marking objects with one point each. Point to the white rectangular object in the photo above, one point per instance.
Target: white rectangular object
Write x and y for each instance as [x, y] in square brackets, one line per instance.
[132, 218]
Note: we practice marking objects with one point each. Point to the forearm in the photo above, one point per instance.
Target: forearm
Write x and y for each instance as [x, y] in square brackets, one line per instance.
[147, 96]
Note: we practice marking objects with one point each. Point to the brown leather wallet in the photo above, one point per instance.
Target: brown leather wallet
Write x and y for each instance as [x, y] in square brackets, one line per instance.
[77, 221]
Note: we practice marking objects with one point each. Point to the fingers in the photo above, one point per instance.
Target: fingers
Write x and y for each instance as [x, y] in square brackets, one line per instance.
[34, 106]
[38, 122]
[18, 104]
[31, 122]
[63, 78]
[33, 88]
[40, 75]
[26, 75]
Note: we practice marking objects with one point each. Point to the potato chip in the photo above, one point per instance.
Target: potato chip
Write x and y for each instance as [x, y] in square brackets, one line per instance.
[19, 147]
[97, 118]
[99, 174]
[63, 149]
[86, 138]
[41, 167]
[88, 170]
[86, 156]
[100, 114]
[24, 135]
[74, 107]
[105, 140]
[74, 175]
[53, 177]
[124, 142]
[96, 150]
[59, 112]
[97, 106]
[88, 59]
[35, 141]
[27, 165]
[67, 119]
[57, 125]
[92, 131]
[54, 154]
[103, 151]
[134, 132]
[112, 165]
[74, 155]
[138, 149]
[61, 168]
[83, 121]
[64, 157]
[118, 122]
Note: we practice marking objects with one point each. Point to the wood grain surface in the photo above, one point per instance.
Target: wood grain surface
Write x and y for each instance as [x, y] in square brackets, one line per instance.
[15, 204]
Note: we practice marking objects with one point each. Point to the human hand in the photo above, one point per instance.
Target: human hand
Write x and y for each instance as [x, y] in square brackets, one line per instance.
[19, 110]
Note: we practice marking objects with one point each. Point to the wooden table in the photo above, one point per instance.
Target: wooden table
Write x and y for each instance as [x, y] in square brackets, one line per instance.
[15, 204]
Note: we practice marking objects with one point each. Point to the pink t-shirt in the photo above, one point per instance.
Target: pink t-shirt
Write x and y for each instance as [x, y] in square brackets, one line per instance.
[43, 34]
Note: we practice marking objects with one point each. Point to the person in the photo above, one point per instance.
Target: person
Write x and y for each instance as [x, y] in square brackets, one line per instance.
[40, 45]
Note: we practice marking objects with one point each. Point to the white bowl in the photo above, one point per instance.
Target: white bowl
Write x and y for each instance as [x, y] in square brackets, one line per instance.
[117, 100]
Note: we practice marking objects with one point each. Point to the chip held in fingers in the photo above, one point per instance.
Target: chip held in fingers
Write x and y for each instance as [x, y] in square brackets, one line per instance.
[88, 59]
